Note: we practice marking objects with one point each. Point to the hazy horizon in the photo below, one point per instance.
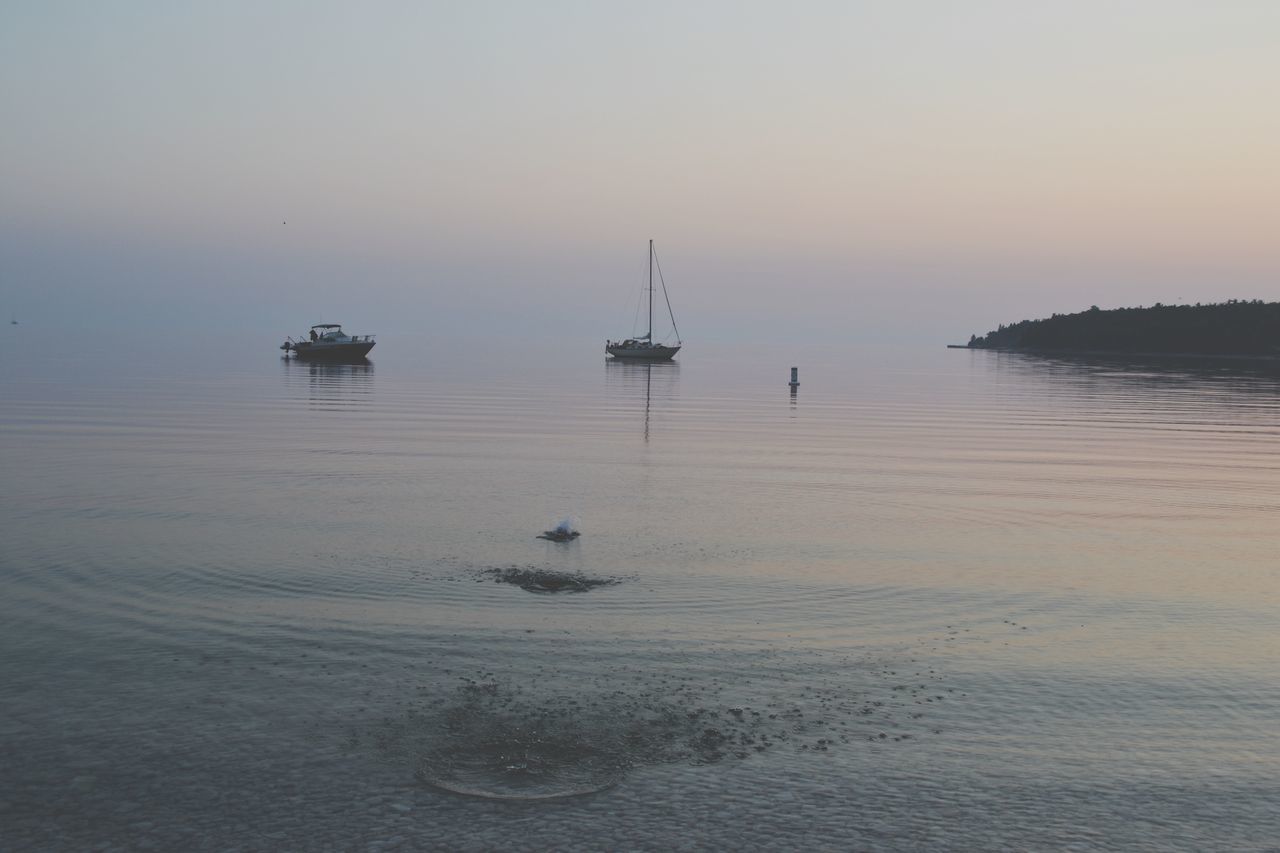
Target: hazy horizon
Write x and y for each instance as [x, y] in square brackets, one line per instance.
[913, 172]
[926, 599]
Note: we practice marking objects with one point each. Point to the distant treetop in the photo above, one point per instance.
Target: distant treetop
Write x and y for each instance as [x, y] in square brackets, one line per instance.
[1234, 327]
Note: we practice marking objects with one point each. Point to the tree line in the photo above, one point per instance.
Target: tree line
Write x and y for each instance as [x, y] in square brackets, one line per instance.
[1234, 327]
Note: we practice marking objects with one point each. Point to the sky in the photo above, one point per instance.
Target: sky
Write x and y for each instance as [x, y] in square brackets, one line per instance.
[899, 170]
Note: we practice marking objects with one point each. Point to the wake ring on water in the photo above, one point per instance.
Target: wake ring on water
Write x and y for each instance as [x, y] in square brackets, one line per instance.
[517, 771]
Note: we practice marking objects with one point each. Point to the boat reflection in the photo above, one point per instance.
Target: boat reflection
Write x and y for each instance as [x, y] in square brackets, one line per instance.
[630, 379]
[329, 384]
[1186, 372]
[1173, 393]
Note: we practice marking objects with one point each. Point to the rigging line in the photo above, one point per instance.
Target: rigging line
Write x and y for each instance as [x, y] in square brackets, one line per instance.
[635, 319]
[674, 328]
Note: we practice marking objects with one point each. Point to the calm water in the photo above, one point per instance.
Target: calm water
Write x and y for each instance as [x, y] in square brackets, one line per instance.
[937, 599]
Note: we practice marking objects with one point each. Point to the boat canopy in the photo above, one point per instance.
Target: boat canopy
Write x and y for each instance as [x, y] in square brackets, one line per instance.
[327, 326]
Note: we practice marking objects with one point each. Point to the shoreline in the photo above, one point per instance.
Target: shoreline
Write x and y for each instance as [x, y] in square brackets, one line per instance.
[1119, 353]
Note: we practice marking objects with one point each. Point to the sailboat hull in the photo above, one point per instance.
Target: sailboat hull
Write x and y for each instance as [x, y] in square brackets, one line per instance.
[642, 353]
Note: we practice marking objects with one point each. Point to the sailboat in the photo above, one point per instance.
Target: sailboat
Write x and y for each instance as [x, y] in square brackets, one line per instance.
[643, 348]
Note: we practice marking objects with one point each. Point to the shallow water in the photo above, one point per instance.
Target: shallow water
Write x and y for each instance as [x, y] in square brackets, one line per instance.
[935, 599]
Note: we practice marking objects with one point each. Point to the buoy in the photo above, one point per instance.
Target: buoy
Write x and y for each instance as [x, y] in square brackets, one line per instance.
[795, 381]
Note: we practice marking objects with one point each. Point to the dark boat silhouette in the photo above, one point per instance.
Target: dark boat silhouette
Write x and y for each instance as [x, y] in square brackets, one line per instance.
[643, 348]
[329, 343]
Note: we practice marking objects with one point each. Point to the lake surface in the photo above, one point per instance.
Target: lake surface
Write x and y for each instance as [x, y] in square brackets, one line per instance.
[934, 600]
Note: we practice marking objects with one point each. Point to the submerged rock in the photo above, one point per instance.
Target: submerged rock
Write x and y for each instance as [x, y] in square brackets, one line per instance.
[559, 535]
[547, 580]
[541, 737]
[497, 743]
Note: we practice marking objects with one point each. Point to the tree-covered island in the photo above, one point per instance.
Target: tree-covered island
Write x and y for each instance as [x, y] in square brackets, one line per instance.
[1231, 328]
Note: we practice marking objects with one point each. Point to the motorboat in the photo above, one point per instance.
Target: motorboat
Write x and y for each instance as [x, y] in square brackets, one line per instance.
[327, 342]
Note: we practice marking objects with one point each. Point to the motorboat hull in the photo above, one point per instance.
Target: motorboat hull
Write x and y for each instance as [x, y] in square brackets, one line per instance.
[343, 351]
[651, 353]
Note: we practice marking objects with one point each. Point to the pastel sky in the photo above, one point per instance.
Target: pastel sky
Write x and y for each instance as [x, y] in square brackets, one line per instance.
[920, 168]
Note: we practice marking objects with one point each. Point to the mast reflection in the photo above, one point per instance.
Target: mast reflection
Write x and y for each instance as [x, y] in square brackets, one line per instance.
[630, 379]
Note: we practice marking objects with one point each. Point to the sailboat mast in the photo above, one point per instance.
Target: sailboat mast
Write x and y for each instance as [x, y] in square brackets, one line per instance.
[650, 337]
